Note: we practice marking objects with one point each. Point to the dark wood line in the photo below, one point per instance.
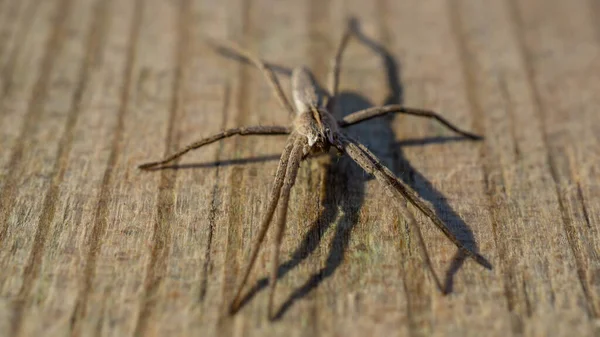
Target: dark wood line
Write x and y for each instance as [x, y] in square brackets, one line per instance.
[21, 27]
[321, 48]
[60, 167]
[595, 17]
[212, 215]
[9, 21]
[495, 185]
[161, 237]
[518, 31]
[32, 269]
[64, 150]
[319, 57]
[244, 89]
[94, 240]
[7, 72]
[234, 244]
[510, 111]
[584, 207]
[236, 208]
[418, 296]
[36, 101]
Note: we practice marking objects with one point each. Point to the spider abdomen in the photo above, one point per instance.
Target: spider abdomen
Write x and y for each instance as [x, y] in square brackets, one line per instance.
[305, 90]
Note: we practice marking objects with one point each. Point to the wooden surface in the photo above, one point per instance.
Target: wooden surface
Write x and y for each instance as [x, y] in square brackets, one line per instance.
[90, 245]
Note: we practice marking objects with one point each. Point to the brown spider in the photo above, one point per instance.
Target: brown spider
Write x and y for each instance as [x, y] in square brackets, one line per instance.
[313, 131]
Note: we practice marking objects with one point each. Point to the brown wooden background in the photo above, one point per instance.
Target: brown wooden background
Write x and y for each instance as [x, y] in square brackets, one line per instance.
[89, 245]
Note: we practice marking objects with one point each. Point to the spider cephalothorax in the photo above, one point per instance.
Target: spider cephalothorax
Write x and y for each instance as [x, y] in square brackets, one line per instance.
[315, 130]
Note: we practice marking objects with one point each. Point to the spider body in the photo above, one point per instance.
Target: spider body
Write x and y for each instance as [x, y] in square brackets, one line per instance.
[314, 130]
[312, 121]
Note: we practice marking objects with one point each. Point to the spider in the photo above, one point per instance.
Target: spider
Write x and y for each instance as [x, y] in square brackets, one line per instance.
[313, 131]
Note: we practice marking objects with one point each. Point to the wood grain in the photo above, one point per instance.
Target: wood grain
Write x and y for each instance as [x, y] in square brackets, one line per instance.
[90, 245]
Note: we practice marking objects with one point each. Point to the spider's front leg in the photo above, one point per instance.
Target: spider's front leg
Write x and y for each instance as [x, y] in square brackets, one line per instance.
[367, 160]
[243, 131]
[366, 114]
[266, 221]
[289, 180]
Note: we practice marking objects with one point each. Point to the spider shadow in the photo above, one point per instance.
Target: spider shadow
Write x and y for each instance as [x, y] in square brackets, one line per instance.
[345, 189]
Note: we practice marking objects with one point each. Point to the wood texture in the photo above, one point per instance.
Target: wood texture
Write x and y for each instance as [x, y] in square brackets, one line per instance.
[90, 245]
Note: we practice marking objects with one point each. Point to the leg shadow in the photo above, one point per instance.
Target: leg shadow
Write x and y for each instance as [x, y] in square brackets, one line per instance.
[411, 176]
[344, 194]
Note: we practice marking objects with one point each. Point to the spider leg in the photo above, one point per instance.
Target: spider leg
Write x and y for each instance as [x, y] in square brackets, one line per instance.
[264, 68]
[264, 225]
[366, 114]
[368, 164]
[371, 164]
[288, 183]
[334, 75]
[243, 131]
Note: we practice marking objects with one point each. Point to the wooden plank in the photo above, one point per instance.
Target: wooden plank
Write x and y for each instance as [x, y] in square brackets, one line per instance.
[93, 246]
[503, 95]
